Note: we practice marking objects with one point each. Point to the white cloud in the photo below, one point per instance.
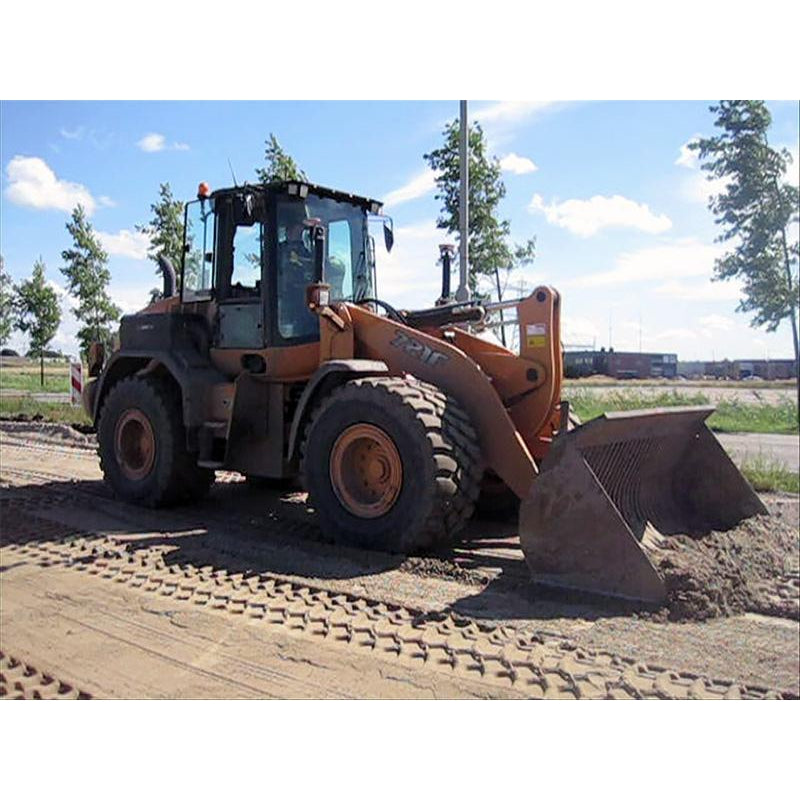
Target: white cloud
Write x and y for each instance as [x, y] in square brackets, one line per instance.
[418, 186]
[700, 186]
[792, 173]
[77, 133]
[152, 142]
[688, 258]
[577, 331]
[688, 158]
[588, 217]
[31, 182]
[519, 165]
[670, 334]
[716, 322]
[106, 201]
[509, 110]
[701, 292]
[128, 244]
[156, 142]
[131, 299]
[411, 275]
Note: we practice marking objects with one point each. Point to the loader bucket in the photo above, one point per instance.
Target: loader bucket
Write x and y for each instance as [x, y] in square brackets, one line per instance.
[609, 489]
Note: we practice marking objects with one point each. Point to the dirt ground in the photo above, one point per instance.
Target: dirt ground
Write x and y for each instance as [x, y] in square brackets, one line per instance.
[240, 596]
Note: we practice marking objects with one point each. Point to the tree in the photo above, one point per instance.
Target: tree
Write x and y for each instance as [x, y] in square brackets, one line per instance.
[492, 255]
[165, 230]
[280, 165]
[756, 211]
[6, 303]
[37, 312]
[87, 280]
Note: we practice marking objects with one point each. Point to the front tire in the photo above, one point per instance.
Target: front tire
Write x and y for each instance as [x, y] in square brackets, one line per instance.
[391, 465]
[142, 445]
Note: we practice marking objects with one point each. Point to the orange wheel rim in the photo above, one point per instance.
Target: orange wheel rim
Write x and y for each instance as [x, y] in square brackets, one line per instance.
[134, 444]
[366, 470]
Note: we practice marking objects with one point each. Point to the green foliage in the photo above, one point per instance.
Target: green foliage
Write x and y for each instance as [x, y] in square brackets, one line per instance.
[27, 378]
[492, 256]
[87, 280]
[769, 475]
[37, 312]
[731, 416]
[25, 408]
[165, 230]
[756, 210]
[6, 303]
[280, 165]
[738, 417]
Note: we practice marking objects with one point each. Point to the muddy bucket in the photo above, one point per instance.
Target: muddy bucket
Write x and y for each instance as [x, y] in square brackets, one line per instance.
[608, 489]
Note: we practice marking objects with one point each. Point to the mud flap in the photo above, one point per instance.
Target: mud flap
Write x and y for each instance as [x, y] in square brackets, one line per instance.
[608, 489]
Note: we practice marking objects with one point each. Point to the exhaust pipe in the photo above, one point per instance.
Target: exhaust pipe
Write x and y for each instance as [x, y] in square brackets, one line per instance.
[168, 273]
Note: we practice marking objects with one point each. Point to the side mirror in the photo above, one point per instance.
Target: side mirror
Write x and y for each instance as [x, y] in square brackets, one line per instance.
[388, 235]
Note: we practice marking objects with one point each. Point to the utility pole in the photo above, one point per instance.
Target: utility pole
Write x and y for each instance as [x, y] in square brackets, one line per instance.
[462, 293]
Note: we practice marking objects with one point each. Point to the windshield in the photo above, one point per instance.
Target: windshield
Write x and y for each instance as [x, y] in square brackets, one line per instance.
[347, 262]
[348, 267]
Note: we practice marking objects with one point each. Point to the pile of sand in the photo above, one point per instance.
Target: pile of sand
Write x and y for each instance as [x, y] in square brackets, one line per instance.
[752, 567]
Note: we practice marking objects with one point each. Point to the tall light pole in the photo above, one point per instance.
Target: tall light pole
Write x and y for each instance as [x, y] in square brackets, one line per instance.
[462, 293]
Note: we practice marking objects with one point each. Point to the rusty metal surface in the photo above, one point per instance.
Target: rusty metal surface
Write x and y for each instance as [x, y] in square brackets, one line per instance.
[605, 483]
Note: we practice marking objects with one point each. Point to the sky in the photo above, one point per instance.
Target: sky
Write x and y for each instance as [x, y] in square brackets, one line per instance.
[617, 203]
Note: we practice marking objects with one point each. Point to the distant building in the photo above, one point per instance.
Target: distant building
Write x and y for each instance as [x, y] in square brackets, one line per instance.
[767, 369]
[582, 363]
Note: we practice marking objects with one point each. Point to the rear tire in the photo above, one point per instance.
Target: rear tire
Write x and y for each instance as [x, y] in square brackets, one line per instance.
[391, 465]
[142, 445]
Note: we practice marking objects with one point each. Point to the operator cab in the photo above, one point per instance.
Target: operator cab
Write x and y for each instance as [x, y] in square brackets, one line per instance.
[252, 250]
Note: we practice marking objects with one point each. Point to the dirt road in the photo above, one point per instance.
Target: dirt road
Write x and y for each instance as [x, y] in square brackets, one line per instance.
[781, 447]
[240, 597]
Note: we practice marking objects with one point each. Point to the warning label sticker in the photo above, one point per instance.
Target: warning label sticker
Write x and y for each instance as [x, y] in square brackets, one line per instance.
[536, 335]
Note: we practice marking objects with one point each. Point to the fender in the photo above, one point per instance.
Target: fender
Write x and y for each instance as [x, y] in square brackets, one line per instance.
[194, 379]
[330, 375]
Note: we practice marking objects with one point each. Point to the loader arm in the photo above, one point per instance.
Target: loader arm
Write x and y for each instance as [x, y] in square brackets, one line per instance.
[436, 361]
[529, 384]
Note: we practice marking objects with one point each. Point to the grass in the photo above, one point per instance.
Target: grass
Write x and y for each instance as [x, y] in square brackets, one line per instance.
[769, 475]
[25, 407]
[26, 378]
[730, 417]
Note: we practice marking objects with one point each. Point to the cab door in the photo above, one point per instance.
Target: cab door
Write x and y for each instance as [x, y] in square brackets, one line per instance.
[241, 266]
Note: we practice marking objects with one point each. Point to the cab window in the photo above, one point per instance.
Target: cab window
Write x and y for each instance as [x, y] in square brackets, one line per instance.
[339, 263]
[247, 250]
[198, 255]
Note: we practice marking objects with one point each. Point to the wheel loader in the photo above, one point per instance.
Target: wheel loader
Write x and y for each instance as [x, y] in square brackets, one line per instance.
[274, 356]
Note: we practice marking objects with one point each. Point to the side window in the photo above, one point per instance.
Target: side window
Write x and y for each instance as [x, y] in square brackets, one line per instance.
[246, 272]
[339, 264]
[198, 256]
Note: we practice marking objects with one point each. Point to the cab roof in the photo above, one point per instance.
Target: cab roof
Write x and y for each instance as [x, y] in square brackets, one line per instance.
[301, 188]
